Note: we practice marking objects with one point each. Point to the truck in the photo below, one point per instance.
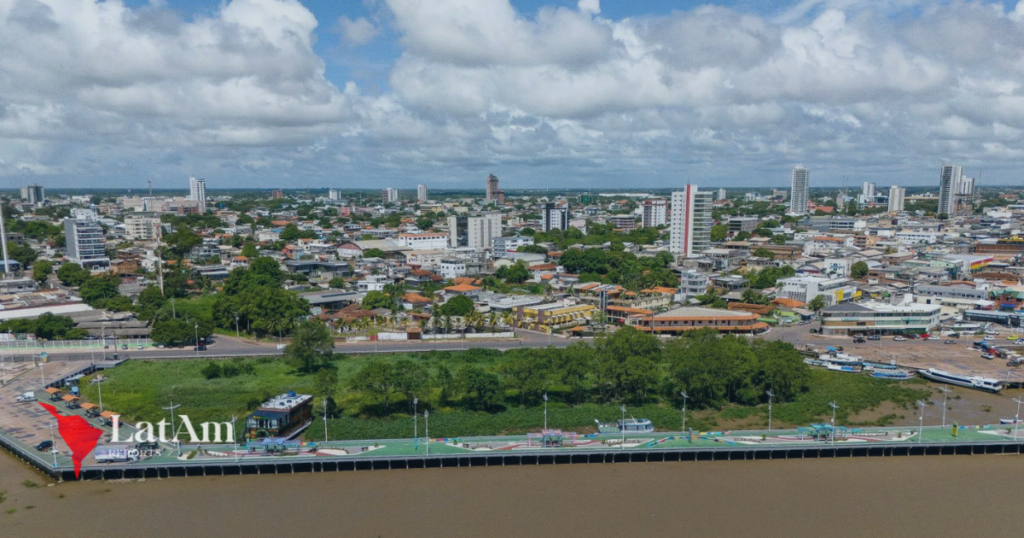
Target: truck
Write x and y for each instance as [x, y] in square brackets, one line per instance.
[114, 454]
[27, 397]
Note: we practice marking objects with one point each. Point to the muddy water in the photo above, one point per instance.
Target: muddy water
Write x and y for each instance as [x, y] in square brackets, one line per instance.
[933, 496]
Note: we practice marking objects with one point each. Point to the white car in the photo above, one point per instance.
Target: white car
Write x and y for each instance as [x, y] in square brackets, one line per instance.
[990, 337]
[934, 338]
[900, 339]
[27, 397]
[990, 331]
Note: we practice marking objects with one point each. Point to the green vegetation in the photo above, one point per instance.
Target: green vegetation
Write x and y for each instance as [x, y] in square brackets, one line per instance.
[72, 274]
[47, 326]
[41, 270]
[769, 276]
[623, 268]
[483, 392]
[460, 306]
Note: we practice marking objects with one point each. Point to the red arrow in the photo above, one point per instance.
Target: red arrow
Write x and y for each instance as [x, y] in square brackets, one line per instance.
[80, 437]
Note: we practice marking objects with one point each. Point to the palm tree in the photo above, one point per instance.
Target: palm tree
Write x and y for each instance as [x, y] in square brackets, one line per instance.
[492, 319]
[446, 322]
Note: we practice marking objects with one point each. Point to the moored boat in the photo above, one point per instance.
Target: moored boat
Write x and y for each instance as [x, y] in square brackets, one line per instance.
[893, 373]
[986, 384]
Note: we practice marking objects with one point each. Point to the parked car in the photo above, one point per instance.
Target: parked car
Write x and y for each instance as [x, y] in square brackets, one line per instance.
[933, 338]
[858, 340]
[124, 347]
[949, 342]
[27, 397]
[900, 339]
[874, 337]
[44, 446]
[953, 335]
[139, 347]
[990, 337]
[200, 347]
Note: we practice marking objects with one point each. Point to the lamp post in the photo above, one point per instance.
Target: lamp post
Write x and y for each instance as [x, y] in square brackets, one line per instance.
[426, 428]
[174, 431]
[770, 396]
[834, 406]
[622, 428]
[920, 435]
[545, 411]
[103, 338]
[197, 339]
[234, 434]
[685, 397]
[99, 387]
[53, 447]
[945, 393]
[325, 419]
[237, 334]
[1016, 420]
[415, 425]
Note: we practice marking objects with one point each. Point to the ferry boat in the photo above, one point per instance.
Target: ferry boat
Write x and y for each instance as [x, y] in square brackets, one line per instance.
[893, 373]
[986, 384]
[841, 358]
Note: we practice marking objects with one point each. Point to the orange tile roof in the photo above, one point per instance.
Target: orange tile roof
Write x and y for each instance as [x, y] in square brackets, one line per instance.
[788, 303]
[629, 310]
[462, 288]
[414, 298]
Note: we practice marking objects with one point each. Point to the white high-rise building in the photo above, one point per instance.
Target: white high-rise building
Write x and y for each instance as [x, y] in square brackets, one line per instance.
[141, 226]
[655, 213]
[86, 243]
[554, 217]
[197, 192]
[421, 193]
[949, 186]
[33, 194]
[799, 191]
[896, 199]
[474, 231]
[334, 194]
[690, 221]
[721, 194]
[388, 195]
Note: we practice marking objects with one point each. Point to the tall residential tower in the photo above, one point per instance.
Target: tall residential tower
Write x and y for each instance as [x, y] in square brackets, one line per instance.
[691, 221]
[799, 191]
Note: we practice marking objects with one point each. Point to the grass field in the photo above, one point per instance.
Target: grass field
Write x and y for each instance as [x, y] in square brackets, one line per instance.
[139, 389]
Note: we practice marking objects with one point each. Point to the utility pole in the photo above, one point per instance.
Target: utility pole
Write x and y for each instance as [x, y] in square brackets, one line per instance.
[920, 435]
[685, 397]
[834, 406]
[945, 393]
[770, 396]
[174, 430]
[3, 241]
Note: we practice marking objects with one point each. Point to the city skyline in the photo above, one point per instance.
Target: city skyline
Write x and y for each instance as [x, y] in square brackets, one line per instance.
[657, 94]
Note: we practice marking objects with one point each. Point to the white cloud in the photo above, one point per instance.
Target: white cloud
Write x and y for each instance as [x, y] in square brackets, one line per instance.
[589, 6]
[357, 32]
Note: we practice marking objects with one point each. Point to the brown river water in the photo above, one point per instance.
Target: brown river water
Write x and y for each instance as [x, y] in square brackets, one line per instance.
[907, 496]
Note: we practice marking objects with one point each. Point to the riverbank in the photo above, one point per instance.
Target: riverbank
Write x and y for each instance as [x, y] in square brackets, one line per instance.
[939, 496]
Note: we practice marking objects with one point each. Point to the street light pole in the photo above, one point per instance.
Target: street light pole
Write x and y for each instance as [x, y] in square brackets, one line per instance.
[770, 396]
[920, 434]
[685, 397]
[622, 428]
[545, 411]
[325, 419]
[834, 406]
[237, 334]
[197, 339]
[1016, 421]
[415, 424]
[174, 430]
[99, 387]
[53, 448]
[945, 393]
[426, 428]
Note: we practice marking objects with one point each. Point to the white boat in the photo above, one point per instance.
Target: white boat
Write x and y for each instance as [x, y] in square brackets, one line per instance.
[841, 358]
[1011, 421]
[847, 368]
[893, 373]
[986, 384]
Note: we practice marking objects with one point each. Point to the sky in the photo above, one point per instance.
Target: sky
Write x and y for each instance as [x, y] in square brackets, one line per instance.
[542, 93]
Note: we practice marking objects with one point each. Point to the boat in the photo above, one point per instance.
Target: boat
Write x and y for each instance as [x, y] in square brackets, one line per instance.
[847, 368]
[1011, 421]
[841, 358]
[986, 384]
[897, 374]
[879, 366]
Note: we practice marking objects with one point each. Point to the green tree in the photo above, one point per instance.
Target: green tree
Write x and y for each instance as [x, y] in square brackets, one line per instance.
[373, 253]
[762, 252]
[23, 254]
[173, 332]
[72, 274]
[458, 306]
[411, 378]
[181, 241]
[250, 251]
[628, 364]
[377, 299]
[41, 271]
[859, 269]
[325, 383]
[817, 303]
[516, 273]
[150, 301]
[97, 290]
[527, 374]
[311, 348]
[575, 365]
[719, 232]
[377, 379]
[481, 390]
[337, 283]
[752, 296]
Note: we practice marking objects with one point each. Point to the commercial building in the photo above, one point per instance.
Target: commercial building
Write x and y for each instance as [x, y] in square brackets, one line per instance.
[554, 217]
[656, 213]
[388, 195]
[553, 315]
[743, 224]
[504, 247]
[897, 197]
[721, 194]
[142, 227]
[690, 221]
[451, 268]
[494, 194]
[334, 195]
[879, 318]
[33, 194]
[799, 191]
[197, 193]
[805, 288]
[85, 243]
[956, 192]
[424, 241]
[689, 318]
[421, 193]
[280, 416]
[692, 283]
[474, 231]
[623, 222]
